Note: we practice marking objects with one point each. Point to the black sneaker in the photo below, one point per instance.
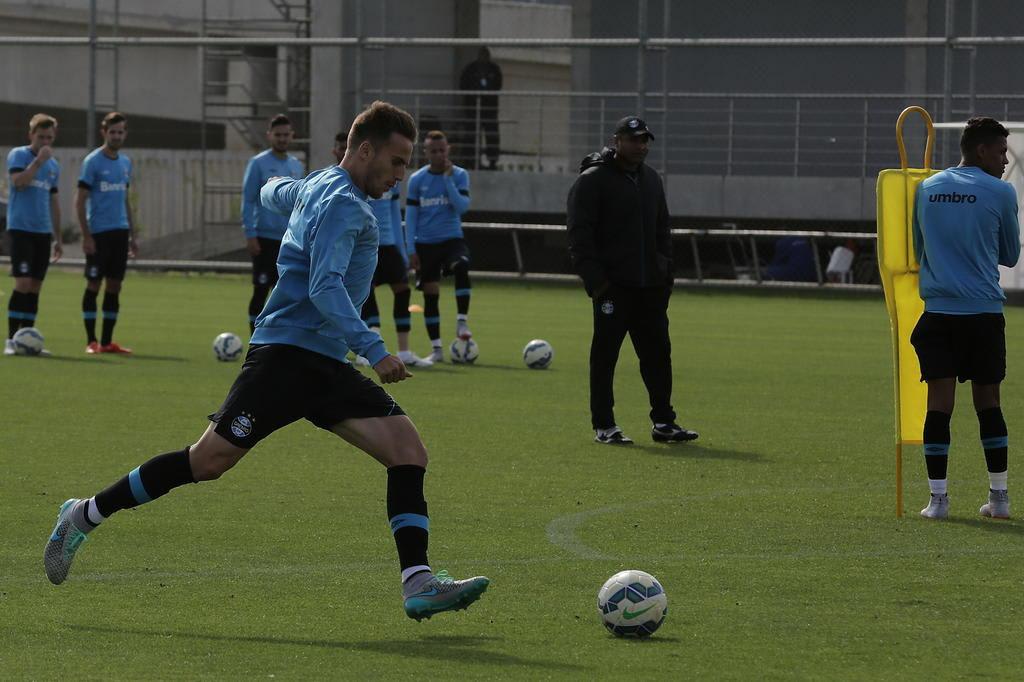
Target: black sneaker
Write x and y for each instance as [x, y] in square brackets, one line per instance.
[672, 433]
[612, 436]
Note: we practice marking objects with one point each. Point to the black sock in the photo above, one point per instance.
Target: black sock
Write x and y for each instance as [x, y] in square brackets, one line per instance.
[89, 314]
[147, 482]
[28, 318]
[259, 297]
[370, 313]
[993, 438]
[111, 305]
[462, 290]
[407, 513]
[15, 310]
[936, 444]
[432, 316]
[400, 311]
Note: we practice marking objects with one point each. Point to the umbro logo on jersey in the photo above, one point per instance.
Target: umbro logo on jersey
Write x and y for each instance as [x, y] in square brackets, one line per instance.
[953, 198]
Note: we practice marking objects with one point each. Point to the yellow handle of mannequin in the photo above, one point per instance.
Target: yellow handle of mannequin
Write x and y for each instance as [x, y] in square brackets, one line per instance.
[931, 136]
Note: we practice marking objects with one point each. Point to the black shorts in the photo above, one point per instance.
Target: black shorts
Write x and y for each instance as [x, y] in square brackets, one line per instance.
[280, 384]
[110, 258]
[968, 347]
[391, 267]
[30, 254]
[264, 266]
[440, 259]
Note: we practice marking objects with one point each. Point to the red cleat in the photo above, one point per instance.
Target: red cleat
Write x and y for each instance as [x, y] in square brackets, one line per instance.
[114, 348]
[93, 348]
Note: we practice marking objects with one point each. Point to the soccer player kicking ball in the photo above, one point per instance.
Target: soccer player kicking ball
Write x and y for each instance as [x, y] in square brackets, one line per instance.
[965, 226]
[296, 365]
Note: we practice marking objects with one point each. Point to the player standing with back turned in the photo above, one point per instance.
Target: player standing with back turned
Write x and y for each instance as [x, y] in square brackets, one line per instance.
[296, 366]
[965, 226]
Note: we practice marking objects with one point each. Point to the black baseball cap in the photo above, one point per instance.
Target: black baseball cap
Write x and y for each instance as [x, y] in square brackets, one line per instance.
[633, 125]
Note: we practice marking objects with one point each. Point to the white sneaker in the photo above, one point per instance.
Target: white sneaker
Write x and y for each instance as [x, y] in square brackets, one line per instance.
[462, 330]
[436, 356]
[361, 361]
[9, 347]
[938, 507]
[413, 360]
[998, 506]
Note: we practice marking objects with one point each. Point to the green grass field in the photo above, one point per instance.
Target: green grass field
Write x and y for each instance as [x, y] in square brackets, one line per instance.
[774, 535]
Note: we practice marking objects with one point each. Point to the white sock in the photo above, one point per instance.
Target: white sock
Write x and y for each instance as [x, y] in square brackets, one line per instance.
[405, 355]
[937, 486]
[92, 514]
[997, 481]
[462, 318]
[413, 570]
[436, 343]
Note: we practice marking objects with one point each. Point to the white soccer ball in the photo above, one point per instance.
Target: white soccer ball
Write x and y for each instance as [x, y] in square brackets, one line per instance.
[28, 341]
[538, 354]
[227, 347]
[632, 604]
[464, 351]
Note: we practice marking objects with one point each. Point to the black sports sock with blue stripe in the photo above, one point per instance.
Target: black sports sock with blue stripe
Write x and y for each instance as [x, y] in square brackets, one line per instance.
[111, 306]
[432, 316]
[936, 444]
[28, 318]
[400, 311]
[370, 312]
[993, 438]
[463, 289]
[89, 314]
[145, 483]
[407, 513]
[15, 311]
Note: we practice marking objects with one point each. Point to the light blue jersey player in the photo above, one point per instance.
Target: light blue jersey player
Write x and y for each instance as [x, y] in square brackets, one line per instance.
[108, 235]
[262, 227]
[965, 226]
[33, 221]
[392, 267]
[296, 367]
[436, 199]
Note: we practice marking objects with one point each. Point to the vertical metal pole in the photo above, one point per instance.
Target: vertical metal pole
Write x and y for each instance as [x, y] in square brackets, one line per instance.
[476, 138]
[117, 55]
[757, 263]
[358, 80]
[384, 53]
[864, 144]
[540, 133]
[202, 135]
[696, 258]
[796, 142]
[666, 16]
[817, 261]
[971, 63]
[728, 154]
[947, 77]
[90, 114]
[641, 58]
[519, 252]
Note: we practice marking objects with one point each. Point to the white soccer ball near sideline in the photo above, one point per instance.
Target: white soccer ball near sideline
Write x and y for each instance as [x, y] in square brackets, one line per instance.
[28, 341]
[538, 354]
[632, 604]
[227, 347]
[464, 351]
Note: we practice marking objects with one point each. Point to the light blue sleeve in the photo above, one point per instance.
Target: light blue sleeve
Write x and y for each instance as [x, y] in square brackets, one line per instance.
[916, 226]
[412, 212]
[17, 161]
[297, 170]
[457, 187]
[280, 195]
[251, 198]
[396, 225]
[1009, 228]
[88, 172]
[329, 260]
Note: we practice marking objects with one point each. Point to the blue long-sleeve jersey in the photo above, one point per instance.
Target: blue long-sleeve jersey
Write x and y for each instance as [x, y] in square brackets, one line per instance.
[328, 255]
[258, 221]
[965, 226]
[434, 205]
[388, 212]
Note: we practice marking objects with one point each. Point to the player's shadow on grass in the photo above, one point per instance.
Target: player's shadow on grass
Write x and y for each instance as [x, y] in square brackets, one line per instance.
[440, 647]
[992, 525]
[694, 451]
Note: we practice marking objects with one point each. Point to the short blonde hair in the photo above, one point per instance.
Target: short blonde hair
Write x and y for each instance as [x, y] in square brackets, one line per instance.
[41, 121]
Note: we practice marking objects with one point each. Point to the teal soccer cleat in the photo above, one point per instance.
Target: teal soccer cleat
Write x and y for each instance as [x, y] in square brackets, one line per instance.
[442, 593]
[63, 543]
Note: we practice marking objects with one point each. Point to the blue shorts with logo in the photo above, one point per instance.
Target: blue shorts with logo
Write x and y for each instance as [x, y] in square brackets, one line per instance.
[280, 384]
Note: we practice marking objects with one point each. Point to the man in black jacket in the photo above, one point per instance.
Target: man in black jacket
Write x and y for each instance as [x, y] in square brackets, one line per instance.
[483, 75]
[620, 245]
